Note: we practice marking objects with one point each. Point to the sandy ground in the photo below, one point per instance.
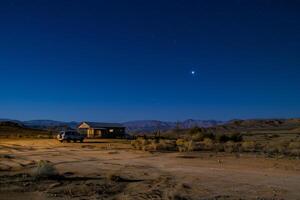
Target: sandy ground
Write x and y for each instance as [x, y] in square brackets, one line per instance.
[110, 169]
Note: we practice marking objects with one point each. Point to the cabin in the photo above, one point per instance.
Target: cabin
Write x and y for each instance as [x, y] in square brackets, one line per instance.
[101, 130]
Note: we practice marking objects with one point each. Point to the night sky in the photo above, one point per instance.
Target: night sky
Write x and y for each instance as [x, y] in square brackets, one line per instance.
[167, 60]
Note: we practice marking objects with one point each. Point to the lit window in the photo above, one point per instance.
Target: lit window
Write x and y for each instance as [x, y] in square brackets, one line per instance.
[111, 130]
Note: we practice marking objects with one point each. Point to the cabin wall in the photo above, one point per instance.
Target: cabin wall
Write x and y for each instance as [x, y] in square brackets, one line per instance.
[90, 133]
[105, 132]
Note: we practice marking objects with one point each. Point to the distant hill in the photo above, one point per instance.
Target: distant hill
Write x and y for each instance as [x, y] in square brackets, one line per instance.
[146, 126]
[50, 124]
[154, 125]
[150, 126]
[260, 125]
[16, 129]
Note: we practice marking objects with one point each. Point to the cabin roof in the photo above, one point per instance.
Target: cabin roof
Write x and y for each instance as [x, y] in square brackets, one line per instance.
[103, 125]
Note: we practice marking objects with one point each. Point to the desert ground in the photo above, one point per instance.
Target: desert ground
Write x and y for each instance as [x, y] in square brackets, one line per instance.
[110, 169]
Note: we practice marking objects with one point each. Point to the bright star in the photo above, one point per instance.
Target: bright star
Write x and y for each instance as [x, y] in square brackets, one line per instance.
[193, 72]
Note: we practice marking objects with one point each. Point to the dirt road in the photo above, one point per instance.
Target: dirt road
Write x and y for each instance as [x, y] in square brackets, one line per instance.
[110, 169]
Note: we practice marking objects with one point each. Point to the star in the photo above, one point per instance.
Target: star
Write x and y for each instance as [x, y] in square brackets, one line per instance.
[193, 72]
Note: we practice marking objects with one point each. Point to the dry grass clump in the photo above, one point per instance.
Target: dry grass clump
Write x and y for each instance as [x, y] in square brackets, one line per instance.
[185, 145]
[276, 147]
[294, 145]
[207, 144]
[231, 147]
[153, 144]
[114, 177]
[229, 143]
[139, 143]
[282, 147]
[294, 148]
[249, 146]
[178, 192]
[44, 169]
[168, 145]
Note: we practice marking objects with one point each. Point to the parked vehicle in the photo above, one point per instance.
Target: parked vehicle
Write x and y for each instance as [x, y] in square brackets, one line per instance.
[70, 136]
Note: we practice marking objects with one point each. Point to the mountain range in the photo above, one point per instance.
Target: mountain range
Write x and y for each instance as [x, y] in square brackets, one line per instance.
[131, 126]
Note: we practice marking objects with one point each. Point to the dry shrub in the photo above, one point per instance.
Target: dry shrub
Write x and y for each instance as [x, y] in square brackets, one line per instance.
[294, 145]
[249, 146]
[276, 147]
[219, 147]
[153, 145]
[179, 192]
[208, 144]
[294, 148]
[221, 137]
[140, 143]
[113, 177]
[44, 169]
[185, 145]
[168, 145]
[198, 136]
[294, 152]
[231, 147]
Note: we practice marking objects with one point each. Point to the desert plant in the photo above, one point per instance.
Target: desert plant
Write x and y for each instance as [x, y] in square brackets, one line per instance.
[140, 143]
[294, 145]
[153, 144]
[218, 147]
[44, 169]
[231, 147]
[294, 152]
[235, 137]
[249, 146]
[276, 147]
[195, 130]
[185, 145]
[168, 145]
[198, 136]
[208, 144]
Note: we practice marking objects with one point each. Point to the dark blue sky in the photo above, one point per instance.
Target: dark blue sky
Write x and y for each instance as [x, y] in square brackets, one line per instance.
[125, 60]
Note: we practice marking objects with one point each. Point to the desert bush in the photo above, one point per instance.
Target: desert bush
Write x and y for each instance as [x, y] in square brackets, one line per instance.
[168, 145]
[180, 141]
[44, 169]
[185, 145]
[276, 147]
[221, 137]
[294, 145]
[114, 177]
[231, 147]
[271, 136]
[179, 192]
[198, 136]
[249, 146]
[218, 147]
[153, 144]
[207, 144]
[293, 148]
[195, 130]
[134, 144]
[294, 152]
[235, 137]
[140, 143]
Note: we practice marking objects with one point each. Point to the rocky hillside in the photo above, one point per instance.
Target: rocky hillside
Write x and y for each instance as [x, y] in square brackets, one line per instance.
[16, 129]
[253, 125]
[148, 126]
